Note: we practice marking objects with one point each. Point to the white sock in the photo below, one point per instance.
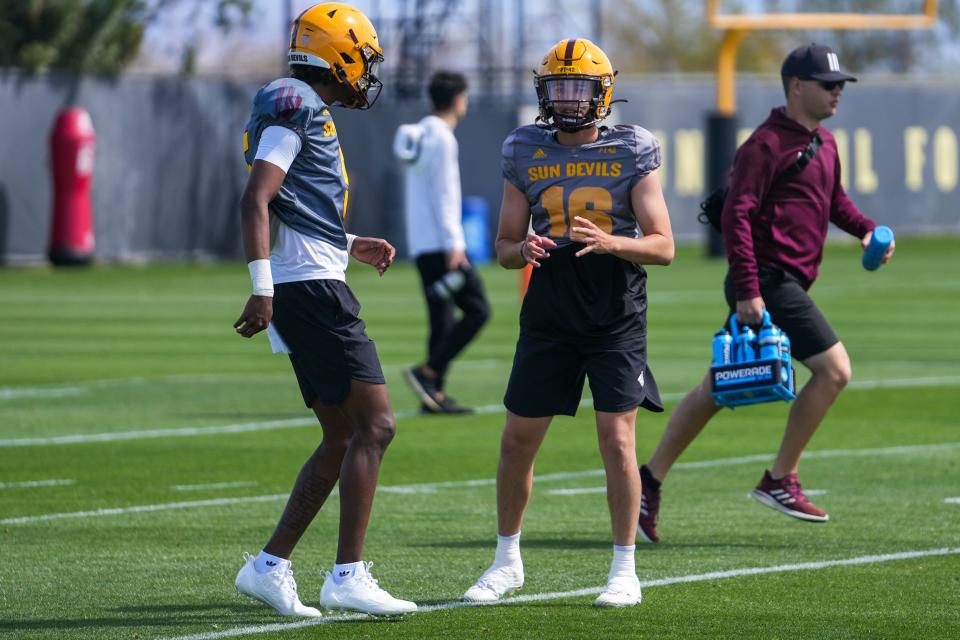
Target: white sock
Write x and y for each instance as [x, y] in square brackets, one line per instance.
[508, 550]
[265, 563]
[347, 570]
[623, 563]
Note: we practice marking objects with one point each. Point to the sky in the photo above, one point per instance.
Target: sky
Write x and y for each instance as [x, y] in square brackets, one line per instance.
[259, 48]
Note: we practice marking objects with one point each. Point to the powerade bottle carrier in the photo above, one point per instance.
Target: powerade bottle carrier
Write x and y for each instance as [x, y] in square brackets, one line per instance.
[751, 368]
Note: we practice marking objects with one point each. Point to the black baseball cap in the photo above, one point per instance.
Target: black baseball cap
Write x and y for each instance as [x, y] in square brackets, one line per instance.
[814, 62]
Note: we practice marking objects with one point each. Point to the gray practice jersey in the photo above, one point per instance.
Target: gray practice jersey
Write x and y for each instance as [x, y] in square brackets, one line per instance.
[592, 181]
[596, 298]
[313, 197]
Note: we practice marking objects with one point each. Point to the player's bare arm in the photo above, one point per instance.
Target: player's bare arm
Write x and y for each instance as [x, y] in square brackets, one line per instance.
[516, 246]
[376, 252]
[650, 209]
[262, 186]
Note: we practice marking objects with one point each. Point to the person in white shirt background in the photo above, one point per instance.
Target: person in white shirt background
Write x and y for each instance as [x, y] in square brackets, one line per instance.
[435, 240]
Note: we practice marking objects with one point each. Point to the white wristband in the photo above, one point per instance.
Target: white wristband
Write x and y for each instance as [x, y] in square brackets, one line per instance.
[261, 277]
[350, 239]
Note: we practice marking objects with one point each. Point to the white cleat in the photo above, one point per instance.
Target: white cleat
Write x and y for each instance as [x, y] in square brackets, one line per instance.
[361, 592]
[621, 591]
[496, 583]
[275, 588]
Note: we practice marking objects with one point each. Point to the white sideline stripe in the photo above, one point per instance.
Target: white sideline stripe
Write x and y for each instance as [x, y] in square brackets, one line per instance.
[904, 383]
[82, 438]
[77, 388]
[246, 427]
[212, 485]
[432, 487]
[30, 484]
[815, 492]
[952, 500]
[557, 595]
[577, 491]
[146, 508]
[13, 393]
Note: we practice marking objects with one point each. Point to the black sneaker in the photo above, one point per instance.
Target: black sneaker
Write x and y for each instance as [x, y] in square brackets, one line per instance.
[424, 387]
[447, 405]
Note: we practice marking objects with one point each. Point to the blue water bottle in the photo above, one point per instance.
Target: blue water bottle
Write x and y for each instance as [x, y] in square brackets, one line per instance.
[769, 339]
[722, 348]
[769, 344]
[746, 345]
[785, 358]
[877, 247]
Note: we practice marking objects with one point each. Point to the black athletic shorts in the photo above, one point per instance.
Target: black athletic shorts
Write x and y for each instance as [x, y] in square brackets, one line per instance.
[792, 310]
[328, 342]
[547, 377]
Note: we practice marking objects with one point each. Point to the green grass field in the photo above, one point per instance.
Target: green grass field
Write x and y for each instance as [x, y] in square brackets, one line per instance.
[144, 447]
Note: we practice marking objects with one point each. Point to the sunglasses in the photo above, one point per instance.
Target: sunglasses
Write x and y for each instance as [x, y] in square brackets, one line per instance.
[830, 85]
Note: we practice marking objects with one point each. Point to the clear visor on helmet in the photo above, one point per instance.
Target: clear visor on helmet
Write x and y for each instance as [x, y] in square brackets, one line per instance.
[573, 89]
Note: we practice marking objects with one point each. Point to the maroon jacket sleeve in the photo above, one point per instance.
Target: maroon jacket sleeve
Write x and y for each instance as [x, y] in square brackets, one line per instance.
[845, 214]
[754, 169]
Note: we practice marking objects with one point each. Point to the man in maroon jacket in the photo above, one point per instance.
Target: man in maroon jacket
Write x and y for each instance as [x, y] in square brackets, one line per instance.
[774, 223]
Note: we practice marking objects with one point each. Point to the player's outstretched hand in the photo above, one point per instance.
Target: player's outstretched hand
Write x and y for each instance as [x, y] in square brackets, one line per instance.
[374, 251]
[865, 242]
[596, 239]
[255, 317]
[534, 249]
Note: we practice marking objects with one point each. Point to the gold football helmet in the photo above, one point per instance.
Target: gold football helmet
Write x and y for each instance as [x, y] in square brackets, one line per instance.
[574, 85]
[339, 37]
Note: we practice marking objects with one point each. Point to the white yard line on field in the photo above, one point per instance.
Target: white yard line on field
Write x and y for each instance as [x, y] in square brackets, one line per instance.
[214, 485]
[576, 593]
[952, 500]
[576, 491]
[82, 438]
[433, 487]
[15, 393]
[31, 484]
[82, 387]
[179, 432]
[145, 508]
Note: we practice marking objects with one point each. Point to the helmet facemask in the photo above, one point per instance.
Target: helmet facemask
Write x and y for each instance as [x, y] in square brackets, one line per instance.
[368, 84]
[572, 102]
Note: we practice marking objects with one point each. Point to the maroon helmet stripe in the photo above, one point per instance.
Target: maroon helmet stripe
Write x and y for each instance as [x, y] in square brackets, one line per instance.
[568, 54]
[293, 32]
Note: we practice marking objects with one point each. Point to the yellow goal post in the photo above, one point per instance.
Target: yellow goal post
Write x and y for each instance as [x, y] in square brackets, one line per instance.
[736, 27]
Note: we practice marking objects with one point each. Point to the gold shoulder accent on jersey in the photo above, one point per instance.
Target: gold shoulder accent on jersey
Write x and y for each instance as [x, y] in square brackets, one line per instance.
[539, 154]
[329, 129]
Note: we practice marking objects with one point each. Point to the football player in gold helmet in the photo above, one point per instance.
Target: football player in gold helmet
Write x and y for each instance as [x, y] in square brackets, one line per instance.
[574, 85]
[339, 38]
[593, 197]
[300, 295]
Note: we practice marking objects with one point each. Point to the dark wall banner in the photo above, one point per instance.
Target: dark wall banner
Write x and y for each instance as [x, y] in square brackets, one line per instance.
[169, 171]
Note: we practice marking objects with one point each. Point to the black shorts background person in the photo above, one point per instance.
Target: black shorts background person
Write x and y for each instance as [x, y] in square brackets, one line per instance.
[435, 240]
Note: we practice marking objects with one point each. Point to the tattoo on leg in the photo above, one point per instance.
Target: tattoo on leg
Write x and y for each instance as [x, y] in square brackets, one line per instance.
[308, 495]
[313, 486]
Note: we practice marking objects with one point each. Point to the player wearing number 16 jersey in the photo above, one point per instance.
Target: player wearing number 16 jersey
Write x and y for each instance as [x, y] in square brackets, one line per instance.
[598, 215]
